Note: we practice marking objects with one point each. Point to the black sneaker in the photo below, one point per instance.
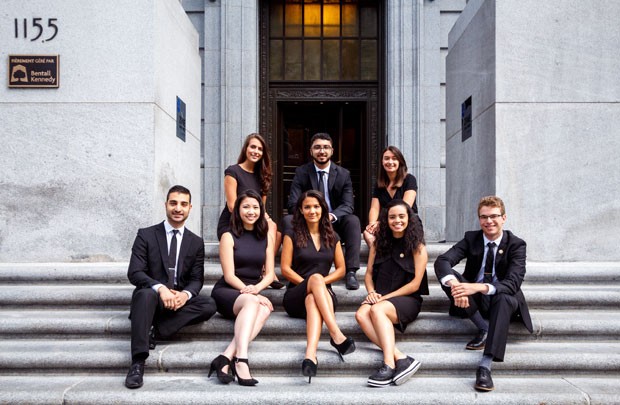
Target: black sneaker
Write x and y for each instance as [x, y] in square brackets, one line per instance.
[382, 377]
[405, 368]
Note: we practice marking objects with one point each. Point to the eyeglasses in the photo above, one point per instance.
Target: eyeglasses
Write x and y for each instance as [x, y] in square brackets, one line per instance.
[491, 217]
[318, 148]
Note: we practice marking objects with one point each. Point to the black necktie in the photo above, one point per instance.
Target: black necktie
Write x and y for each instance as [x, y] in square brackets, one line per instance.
[172, 259]
[321, 181]
[488, 264]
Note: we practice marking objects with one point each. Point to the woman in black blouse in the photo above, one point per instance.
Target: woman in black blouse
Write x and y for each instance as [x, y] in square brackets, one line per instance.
[307, 257]
[244, 252]
[395, 280]
[393, 183]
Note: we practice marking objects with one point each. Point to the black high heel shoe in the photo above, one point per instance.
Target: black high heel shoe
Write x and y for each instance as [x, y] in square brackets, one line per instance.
[248, 382]
[346, 347]
[308, 369]
[216, 365]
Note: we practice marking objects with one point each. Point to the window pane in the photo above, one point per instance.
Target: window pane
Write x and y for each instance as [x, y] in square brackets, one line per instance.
[275, 60]
[350, 59]
[368, 17]
[331, 60]
[275, 19]
[349, 20]
[292, 58]
[331, 20]
[312, 60]
[292, 20]
[369, 60]
[312, 20]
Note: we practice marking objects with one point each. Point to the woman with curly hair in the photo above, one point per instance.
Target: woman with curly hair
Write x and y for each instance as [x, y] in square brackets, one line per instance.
[307, 257]
[395, 280]
[252, 172]
[393, 183]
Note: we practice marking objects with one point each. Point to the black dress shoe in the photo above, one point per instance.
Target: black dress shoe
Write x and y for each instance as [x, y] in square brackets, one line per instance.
[346, 347]
[478, 342]
[484, 382]
[382, 377]
[351, 281]
[135, 375]
[309, 368]
[276, 284]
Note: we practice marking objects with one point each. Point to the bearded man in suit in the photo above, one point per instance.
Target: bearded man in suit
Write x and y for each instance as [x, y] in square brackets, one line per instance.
[489, 290]
[167, 268]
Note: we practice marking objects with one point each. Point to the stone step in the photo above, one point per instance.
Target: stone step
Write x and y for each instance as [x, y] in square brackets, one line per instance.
[581, 273]
[539, 296]
[548, 325]
[284, 358]
[198, 389]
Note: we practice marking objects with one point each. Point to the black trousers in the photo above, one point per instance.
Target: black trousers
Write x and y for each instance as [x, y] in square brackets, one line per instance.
[348, 229]
[498, 308]
[147, 310]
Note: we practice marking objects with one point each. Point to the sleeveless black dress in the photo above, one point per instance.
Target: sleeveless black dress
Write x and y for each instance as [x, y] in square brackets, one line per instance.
[307, 261]
[249, 258]
[245, 181]
[394, 271]
[409, 183]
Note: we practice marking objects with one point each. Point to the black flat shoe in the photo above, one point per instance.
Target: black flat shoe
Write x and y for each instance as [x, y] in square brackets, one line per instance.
[484, 382]
[248, 382]
[308, 369]
[217, 365]
[478, 342]
[135, 375]
[346, 347]
[351, 281]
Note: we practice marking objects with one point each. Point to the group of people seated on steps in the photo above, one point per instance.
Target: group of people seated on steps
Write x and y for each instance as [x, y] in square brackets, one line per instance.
[321, 232]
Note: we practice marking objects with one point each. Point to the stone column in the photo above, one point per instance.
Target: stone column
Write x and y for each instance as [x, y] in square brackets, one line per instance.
[231, 95]
[413, 110]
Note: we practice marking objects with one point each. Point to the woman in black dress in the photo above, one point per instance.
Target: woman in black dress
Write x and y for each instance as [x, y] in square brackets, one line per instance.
[393, 183]
[307, 257]
[252, 172]
[395, 280]
[244, 252]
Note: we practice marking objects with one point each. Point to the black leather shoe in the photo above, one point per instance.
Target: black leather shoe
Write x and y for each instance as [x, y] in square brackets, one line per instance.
[135, 375]
[484, 382]
[351, 281]
[382, 377]
[405, 368]
[309, 368]
[276, 284]
[478, 342]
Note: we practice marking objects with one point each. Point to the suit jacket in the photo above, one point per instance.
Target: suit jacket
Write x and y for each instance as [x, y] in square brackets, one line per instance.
[509, 265]
[149, 258]
[339, 185]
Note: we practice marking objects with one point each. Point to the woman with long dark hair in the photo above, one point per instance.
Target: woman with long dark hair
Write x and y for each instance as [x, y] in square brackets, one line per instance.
[244, 252]
[395, 280]
[252, 172]
[393, 183]
[307, 257]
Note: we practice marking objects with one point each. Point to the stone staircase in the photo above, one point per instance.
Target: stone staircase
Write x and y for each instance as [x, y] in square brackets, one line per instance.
[65, 340]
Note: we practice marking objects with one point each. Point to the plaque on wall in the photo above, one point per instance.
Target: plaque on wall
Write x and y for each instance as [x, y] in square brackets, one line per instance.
[33, 71]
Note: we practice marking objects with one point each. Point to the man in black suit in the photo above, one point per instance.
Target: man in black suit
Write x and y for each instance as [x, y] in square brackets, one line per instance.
[335, 183]
[490, 286]
[167, 268]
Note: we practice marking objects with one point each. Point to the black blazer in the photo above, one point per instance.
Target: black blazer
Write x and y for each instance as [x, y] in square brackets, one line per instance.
[509, 265]
[149, 255]
[339, 185]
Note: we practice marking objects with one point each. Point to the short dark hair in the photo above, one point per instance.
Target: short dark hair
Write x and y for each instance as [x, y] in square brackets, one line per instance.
[321, 135]
[179, 189]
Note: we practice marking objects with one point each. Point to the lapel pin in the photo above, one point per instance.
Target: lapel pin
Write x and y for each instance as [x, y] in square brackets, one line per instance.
[402, 255]
[501, 252]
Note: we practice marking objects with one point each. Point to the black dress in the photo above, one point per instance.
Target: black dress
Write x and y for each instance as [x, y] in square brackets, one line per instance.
[409, 183]
[307, 261]
[249, 258]
[394, 271]
[245, 181]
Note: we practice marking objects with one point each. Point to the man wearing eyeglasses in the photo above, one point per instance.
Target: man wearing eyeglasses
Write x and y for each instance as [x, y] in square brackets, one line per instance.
[335, 183]
[489, 290]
